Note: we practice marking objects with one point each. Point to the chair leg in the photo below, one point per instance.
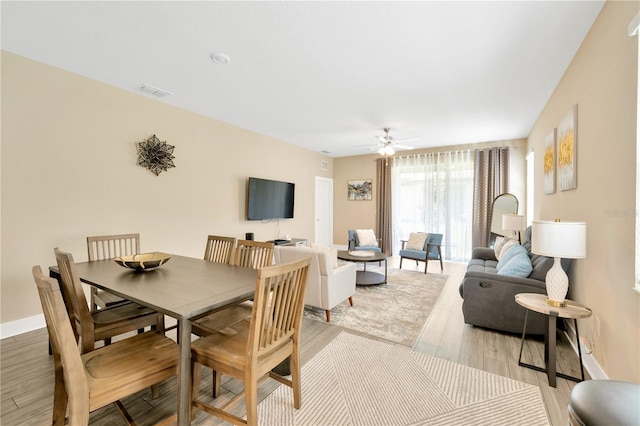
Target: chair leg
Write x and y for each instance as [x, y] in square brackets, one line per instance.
[351, 300]
[155, 391]
[195, 386]
[251, 397]
[328, 313]
[426, 263]
[296, 385]
[217, 381]
[401, 262]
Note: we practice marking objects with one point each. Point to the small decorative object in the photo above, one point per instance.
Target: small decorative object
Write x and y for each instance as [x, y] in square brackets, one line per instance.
[143, 261]
[558, 240]
[359, 190]
[549, 163]
[567, 144]
[362, 253]
[155, 155]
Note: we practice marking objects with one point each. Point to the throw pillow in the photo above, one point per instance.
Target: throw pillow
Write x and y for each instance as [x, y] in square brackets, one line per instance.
[332, 252]
[505, 248]
[511, 252]
[366, 237]
[416, 241]
[497, 246]
[518, 266]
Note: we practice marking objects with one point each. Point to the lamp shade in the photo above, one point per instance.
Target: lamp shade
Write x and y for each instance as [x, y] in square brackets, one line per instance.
[559, 239]
[513, 222]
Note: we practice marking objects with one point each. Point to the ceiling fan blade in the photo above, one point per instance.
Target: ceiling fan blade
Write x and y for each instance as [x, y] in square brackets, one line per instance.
[400, 146]
[415, 138]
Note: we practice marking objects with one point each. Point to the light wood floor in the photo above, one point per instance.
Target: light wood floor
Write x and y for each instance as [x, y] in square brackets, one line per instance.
[26, 373]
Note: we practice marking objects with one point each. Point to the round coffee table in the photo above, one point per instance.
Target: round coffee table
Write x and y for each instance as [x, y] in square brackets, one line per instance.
[365, 277]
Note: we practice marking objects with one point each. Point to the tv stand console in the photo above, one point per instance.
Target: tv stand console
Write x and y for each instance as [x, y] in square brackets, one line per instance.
[298, 242]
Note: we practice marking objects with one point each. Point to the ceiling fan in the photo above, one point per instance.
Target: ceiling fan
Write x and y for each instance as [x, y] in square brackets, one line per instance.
[387, 145]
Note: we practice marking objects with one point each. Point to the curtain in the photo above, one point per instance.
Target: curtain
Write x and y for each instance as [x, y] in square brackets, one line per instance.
[433, 193]
[490, 180]
[383, 211]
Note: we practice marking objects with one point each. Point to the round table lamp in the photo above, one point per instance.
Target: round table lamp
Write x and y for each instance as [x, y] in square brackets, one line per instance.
[558, 240]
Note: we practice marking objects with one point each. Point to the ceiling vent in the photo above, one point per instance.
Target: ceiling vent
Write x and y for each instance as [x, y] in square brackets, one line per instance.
[150, 90]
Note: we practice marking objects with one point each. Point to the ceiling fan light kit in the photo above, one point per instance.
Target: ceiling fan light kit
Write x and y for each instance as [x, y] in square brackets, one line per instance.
[386, 150]
[388, 145]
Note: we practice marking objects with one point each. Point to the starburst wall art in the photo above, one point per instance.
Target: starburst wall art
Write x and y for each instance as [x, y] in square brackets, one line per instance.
[155, 155]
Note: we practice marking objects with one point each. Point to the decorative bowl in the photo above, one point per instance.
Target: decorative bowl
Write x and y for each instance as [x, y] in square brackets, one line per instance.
[362, 253]
[143, 261]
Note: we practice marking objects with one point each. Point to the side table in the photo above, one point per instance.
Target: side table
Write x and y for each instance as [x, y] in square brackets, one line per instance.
[538, 303]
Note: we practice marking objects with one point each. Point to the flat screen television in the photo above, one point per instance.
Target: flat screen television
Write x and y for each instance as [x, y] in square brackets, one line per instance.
[270, 199]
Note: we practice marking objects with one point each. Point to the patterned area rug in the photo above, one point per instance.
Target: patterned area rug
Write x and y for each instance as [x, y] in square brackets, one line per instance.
[359, 381]
[395, 311]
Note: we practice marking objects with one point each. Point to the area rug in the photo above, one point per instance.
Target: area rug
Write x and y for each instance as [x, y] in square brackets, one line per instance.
[355, 380]
[395, 311]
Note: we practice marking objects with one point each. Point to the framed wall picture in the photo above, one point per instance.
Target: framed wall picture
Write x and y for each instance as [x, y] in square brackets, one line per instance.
[359, 190]
[549, 163]
[567, 150]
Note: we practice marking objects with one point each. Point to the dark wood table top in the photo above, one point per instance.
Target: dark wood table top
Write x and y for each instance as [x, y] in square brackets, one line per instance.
[183, 288]
[375, 257]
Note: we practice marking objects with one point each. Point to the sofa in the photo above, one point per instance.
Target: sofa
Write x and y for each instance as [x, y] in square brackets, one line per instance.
[489, 297]
[328, 283]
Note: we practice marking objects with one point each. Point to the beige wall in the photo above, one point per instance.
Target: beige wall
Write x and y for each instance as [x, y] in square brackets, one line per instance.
[362, 214]
[69, 170]
[602, 80]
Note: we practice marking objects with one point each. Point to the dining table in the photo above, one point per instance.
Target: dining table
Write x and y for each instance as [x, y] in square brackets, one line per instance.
[183, 288]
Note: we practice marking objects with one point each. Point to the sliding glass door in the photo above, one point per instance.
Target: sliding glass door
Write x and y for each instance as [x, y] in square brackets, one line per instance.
[434, 193]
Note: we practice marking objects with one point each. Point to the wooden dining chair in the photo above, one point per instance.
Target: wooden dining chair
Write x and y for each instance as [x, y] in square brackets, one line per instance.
[247, 254]
[91, 327]
[219, 249]
[270, 336]
[109, 247]
[84, 383]
[253, 254]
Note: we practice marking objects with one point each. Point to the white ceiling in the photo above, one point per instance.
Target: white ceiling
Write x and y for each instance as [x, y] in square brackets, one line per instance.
[328, 76]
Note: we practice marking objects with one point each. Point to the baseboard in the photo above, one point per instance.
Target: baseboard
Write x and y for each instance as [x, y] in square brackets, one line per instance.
[13, 328]
[588, 360]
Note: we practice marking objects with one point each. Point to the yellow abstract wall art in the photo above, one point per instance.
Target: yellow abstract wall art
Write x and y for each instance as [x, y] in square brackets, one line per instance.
[567, 144]
[549, 163]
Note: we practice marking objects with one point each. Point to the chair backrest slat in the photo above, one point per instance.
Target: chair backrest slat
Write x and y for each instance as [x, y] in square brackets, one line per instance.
[219, 249]
[64, 347]
[253, 254]
[78, 309]
[111, 246]
[277, 305]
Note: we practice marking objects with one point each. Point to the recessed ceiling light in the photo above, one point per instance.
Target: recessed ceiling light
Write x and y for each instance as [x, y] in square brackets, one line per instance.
[220, 58]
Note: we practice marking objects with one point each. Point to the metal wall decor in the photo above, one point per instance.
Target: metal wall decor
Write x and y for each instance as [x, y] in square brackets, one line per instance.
[155, 155]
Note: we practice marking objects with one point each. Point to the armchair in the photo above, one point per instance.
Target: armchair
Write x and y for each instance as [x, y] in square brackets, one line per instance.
[430, 249]
[355, 243]
[328, 284]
